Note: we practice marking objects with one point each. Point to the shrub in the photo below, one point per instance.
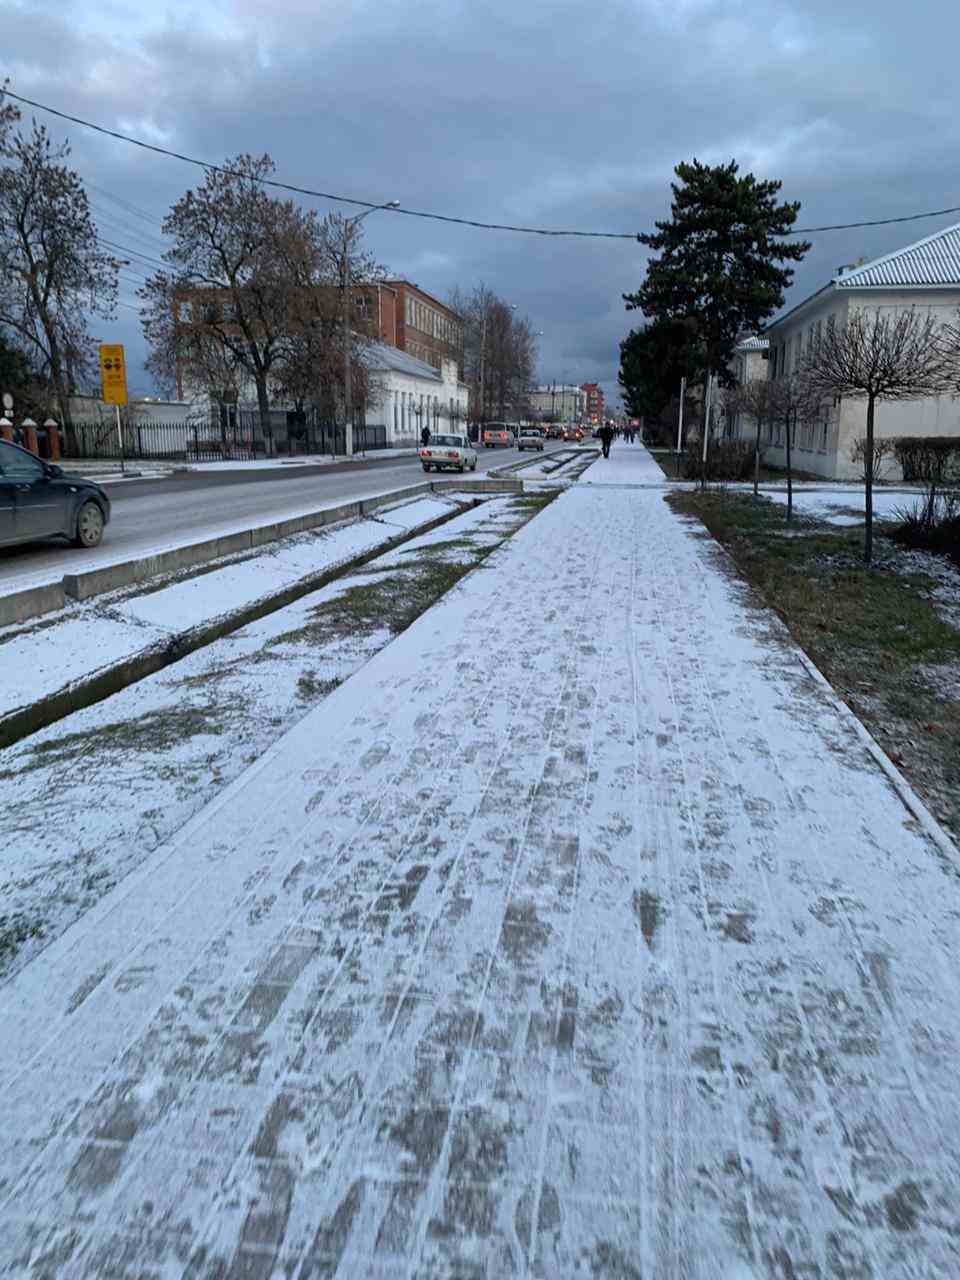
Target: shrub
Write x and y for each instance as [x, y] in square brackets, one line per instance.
[726, 460]
[931, 460]
[932, 524]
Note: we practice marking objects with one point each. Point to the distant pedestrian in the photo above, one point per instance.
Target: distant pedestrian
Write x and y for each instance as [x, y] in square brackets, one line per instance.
[606, 439]
[425, 437]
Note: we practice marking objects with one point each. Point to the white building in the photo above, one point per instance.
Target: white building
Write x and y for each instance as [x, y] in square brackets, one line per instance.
[408, 394]
[925, 275]
[405, 394]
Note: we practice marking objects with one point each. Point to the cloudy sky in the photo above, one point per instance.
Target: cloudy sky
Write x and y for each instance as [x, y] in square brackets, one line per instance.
[554, 115]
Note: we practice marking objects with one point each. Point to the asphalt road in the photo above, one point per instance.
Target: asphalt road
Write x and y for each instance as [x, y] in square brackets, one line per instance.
[177, 509]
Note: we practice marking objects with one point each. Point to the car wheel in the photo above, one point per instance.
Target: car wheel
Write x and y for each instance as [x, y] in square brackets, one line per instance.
[462, 467]
[425, 467]
[89, 530]
[474, 465]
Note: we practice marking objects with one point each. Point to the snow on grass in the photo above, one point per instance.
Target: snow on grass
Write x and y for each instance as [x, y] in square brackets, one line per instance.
[43, 656]
[846, 506]
[129, 772]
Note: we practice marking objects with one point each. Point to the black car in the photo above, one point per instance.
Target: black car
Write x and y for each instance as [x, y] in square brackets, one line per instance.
[39, 500]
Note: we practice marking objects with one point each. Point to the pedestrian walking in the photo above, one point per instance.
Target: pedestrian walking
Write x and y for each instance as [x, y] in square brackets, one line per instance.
[606, 438]
[425, 437]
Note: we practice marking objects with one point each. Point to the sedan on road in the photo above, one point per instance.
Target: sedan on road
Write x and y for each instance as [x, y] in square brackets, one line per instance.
[530, 438]
[39, 500]
[454, 453]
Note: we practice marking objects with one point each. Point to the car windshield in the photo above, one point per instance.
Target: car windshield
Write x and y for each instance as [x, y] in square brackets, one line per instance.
[497, 428]
[452, 442]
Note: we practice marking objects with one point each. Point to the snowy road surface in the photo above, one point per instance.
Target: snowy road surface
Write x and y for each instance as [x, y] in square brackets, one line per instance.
[627, 962]
[144, 521]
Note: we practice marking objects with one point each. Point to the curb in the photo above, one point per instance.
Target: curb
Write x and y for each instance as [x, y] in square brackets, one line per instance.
[908, 797]
[87, 690]
[34, 601]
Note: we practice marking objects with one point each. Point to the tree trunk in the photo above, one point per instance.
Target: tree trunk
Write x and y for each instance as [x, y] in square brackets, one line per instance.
[790, 417]
[263, 405]
[61, 388]
[868, 485]
[756, 460]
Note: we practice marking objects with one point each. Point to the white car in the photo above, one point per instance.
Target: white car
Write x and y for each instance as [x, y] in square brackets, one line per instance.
[456, 453]
[530, 438]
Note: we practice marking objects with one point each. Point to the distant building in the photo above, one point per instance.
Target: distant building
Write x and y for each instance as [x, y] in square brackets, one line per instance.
[594, 401]
[561, 401]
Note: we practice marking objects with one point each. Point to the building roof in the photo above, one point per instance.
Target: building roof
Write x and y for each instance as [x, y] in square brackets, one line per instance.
[380, 356]
[753, 343]
[931, 262]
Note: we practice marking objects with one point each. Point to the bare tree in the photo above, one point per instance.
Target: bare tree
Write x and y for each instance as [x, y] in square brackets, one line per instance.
[876, 458]
[53, 274]
[794, 399]
[874, 356]
[756, 401]
[229, 282]
[499, 352]
[331, 319]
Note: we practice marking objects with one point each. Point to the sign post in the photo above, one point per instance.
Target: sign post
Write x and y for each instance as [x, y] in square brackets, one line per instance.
[113, 384]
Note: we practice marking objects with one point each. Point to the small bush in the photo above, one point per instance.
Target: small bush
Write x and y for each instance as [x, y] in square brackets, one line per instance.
[931, 524]
[930, 460]
[726, 460]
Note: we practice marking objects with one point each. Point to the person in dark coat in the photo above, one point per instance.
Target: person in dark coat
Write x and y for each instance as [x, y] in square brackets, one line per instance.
[606, 438]
[425, 437]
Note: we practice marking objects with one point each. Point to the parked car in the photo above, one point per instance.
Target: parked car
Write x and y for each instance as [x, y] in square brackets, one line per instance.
[40, 500]
[453, 453]
[530, 438]
[496, 434]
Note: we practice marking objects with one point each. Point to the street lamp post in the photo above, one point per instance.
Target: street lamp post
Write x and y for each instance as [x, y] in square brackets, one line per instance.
[348, 225]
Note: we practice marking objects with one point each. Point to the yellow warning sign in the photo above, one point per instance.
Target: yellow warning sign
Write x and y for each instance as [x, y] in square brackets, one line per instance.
[113, 374]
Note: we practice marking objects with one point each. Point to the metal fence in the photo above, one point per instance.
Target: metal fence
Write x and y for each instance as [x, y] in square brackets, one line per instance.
[224, 436]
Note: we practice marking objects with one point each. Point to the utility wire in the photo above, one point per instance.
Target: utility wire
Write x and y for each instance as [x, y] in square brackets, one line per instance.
[436, 217]
[318, 195]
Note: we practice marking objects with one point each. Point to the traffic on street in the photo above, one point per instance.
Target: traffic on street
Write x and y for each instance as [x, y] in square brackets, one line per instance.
[184, 507]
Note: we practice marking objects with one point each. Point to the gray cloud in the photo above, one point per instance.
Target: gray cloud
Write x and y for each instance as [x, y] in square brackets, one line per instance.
[559, 114]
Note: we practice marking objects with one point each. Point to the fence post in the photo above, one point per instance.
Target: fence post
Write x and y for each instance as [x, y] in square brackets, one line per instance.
[53, 439]
[29, 429]
[6, 429]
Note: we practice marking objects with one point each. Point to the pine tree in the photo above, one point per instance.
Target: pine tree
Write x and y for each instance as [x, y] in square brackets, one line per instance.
[719, 258]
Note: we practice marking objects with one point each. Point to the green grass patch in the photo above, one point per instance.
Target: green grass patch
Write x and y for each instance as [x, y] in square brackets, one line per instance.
[15, 930]
[154, 731]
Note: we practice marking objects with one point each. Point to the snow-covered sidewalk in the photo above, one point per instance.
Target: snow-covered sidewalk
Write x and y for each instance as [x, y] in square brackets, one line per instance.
[613, 953]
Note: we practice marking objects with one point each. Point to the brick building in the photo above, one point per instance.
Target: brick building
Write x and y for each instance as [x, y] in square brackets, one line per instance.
[422, 326]
[594, 393]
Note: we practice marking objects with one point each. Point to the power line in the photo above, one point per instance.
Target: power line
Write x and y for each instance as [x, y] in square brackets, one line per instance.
[419, 213]
[317, 195]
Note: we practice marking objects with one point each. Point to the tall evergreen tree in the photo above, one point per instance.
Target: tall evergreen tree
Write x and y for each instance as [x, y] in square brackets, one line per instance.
[653, 360]
[720, 258]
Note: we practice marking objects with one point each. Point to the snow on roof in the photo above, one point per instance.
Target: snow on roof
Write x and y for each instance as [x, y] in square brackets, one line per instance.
[933, 261]
[753, 343]
[380, 356]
